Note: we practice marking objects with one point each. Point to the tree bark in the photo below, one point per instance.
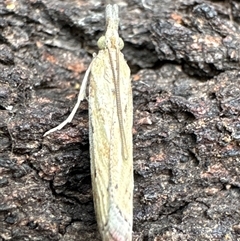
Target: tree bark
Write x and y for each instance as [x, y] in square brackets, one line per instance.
[184, 58]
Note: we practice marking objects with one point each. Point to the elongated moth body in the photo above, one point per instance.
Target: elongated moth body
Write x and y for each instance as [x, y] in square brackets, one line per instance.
[110, 134]
[111, 114]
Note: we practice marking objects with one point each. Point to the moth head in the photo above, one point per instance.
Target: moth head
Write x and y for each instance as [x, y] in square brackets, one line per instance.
[104, 42]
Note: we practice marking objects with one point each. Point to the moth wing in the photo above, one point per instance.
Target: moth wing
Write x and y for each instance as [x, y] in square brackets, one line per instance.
[112, 175]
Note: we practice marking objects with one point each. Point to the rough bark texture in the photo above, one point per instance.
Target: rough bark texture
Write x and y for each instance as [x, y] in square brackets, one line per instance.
[184, 57]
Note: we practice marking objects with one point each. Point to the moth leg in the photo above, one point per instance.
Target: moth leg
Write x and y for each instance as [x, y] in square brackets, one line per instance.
[81, 96]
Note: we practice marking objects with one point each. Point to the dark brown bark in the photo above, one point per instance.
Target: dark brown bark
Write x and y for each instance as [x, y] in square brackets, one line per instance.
[184, 57]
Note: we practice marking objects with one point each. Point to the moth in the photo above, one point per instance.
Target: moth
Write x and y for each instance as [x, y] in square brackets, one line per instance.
[110, 133]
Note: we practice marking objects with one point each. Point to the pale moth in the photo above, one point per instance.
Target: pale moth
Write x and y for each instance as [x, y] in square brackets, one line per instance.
[110, 133]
